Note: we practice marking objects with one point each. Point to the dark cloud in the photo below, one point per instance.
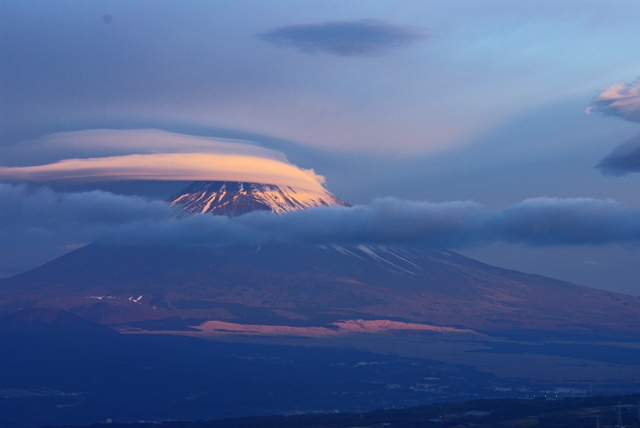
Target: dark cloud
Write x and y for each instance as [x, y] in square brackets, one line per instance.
[37, 221]
[534, 222]
[555, 221]
[38, 224]
[384, 221]
[623, 159]
[346, 38]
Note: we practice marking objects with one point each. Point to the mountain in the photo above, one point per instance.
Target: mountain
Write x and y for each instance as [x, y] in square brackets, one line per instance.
[233, 198]
[293, 328]
[306, 290]
[313, 291]
[288, 326]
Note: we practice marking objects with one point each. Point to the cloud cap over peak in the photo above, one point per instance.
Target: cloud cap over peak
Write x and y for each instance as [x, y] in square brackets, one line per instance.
[150, 154]
[367, 37]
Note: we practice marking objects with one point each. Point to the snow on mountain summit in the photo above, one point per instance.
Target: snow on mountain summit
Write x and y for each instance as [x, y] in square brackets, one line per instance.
[233, 198]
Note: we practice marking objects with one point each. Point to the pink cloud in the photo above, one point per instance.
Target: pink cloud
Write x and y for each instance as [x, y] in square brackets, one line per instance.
[169, 166]
[620, 99]
[95, 155]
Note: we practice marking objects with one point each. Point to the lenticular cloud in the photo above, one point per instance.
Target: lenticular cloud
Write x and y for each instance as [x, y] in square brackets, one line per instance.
[160, 155]
[346, 38]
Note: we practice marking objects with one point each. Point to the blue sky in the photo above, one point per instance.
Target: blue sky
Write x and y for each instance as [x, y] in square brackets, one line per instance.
[439, 101]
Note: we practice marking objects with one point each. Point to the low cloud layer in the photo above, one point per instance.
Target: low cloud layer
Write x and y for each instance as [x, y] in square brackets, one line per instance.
[40, 220]
[622, 100]
[157, 155]
[346, 38]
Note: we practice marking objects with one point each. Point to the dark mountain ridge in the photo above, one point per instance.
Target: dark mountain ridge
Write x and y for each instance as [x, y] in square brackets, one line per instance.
[584, 412]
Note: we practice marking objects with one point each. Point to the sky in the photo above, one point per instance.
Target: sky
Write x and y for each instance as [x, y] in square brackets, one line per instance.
[506, 130]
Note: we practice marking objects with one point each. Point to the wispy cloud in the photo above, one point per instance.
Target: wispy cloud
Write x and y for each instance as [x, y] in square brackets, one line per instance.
[622, 100]
[115, 142]
[346, 38]
[34, 220]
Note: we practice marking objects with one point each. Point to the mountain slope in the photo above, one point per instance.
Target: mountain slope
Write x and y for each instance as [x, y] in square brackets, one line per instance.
[308, 286]
[236, 198]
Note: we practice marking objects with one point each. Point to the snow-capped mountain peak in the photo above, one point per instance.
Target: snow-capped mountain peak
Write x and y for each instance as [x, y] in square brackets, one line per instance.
[233, 198]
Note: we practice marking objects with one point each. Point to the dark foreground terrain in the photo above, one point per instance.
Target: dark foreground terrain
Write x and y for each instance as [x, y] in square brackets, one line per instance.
[540, 413]
[57, 368]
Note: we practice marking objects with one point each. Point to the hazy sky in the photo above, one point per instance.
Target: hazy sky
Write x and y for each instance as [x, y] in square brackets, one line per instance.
[493, 102]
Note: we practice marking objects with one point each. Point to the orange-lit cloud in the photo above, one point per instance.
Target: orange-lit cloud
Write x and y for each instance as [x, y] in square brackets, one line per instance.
[168, 166]
[150, 154]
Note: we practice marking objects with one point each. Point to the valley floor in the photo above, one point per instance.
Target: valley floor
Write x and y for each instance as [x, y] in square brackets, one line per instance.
[540, 413]
[585, 362]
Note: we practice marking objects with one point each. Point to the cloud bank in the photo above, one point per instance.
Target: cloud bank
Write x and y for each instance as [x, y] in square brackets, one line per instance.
[346, 38]
[622, 100]
[35, 221]
[158, 155]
